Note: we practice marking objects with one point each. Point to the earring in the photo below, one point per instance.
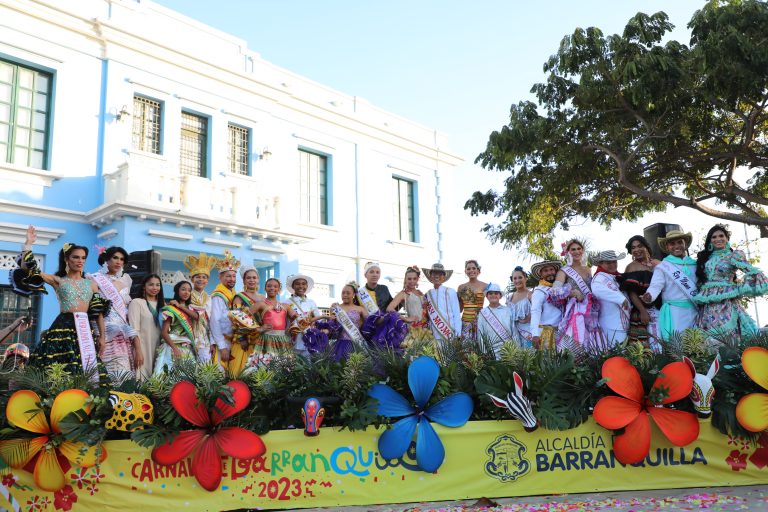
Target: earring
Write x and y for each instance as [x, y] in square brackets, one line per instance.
[710, 247]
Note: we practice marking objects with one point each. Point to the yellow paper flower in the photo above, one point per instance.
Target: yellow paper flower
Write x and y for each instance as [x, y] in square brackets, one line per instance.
[752, 409]
[50, 449]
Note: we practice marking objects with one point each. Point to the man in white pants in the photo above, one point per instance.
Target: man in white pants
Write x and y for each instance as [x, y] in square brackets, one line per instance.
[614, 304]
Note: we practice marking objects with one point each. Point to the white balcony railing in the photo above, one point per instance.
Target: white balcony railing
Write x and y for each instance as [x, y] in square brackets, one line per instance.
[233, 199]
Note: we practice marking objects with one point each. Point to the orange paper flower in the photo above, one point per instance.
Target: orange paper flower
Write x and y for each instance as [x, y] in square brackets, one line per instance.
[752, 409]
[632, 409]
[49, 455]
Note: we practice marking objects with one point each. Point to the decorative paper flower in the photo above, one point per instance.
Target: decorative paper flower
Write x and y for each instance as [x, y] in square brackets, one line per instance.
[211, 438]
[64, 498]
[628, 411]
[451, 411]
[737, 460]
[49, 455]
[752, 409]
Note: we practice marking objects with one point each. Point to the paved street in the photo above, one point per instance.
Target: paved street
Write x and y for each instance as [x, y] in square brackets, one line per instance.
[750, 498]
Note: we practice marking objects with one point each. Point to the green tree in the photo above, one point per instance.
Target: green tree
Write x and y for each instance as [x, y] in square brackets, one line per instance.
[626, 125]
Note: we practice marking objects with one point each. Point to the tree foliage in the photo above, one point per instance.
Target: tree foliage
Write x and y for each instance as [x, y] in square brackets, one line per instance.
[627, 124]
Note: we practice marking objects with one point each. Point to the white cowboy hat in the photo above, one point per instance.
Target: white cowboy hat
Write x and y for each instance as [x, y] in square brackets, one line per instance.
[608, 256]
[289, 282]
[437, 267]
[492, 287]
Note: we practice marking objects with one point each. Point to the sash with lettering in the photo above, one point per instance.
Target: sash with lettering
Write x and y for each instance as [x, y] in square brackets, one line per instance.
[299, 310]
[498, 328]
[86, 343]
[349, 326]
[680, 278]
[441, 325]
[577, 279]
[109, 290]
[367, 300]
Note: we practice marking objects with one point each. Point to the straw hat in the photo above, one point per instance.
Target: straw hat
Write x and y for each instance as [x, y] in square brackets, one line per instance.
[537, 267]
[608, 256]
[437, 267]
[674, 234]
[289, 282]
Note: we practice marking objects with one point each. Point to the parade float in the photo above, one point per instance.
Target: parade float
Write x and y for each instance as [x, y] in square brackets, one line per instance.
[381, 426]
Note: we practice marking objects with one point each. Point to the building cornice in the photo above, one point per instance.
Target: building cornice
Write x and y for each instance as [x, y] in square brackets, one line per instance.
[17, 233]
[38, 210]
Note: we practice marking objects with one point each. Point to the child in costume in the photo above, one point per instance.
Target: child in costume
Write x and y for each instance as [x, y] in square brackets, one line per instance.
[177, 333]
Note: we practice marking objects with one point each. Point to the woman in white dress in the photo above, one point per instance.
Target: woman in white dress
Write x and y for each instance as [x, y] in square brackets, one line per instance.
[519, 301]
[143, 315]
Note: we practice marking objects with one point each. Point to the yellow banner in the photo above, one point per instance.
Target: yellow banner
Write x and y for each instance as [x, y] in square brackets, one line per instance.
[484, 458]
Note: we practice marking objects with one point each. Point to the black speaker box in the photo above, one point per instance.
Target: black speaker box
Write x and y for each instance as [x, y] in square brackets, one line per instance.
[139, 264]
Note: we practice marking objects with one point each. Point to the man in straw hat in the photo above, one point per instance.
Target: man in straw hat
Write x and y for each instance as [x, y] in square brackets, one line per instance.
[442, 304]
[614, 305]
[306, 309]
[675, 279]
[221, 303]
[545, 314]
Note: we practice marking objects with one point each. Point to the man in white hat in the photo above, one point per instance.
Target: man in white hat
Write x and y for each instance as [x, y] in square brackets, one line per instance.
[306, 309]
[545, 314]
[675, 279]
[495, 322]
[442, 304]
[614, 304]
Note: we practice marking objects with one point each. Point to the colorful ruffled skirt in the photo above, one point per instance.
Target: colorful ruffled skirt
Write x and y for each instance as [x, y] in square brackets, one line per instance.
[59, 345]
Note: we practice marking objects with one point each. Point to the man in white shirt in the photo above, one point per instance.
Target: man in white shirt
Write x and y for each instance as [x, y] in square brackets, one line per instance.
[442, 304]
[306, 309]
[675, 279]
[614, 304]
[221, 303]
[545, 315]
[495, 323]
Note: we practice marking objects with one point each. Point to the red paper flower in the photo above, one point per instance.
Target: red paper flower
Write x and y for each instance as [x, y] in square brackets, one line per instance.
[737, 460]
[628, 411]
[64, 498]
[9, 480]
[211, 438]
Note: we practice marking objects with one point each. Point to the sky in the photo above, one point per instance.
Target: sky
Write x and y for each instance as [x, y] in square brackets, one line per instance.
[456, 66]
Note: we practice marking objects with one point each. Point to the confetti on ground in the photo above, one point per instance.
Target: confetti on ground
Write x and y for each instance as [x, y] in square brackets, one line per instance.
[753, 500]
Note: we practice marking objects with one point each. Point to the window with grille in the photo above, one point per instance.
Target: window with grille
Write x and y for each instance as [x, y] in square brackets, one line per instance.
[194, 144]
[12, 306]
[25, 103]
[147, 119]
[403, 210]
[239, 149]
[313, 188]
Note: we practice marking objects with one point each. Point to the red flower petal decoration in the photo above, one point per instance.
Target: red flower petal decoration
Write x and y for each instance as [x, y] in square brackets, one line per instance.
[222, 410]
[184, 400]
[181, 446]
[680, 427]
[623, 378]
[239, 443]
[614, 412]
[634, 444]
[206, 465]
[676, 377]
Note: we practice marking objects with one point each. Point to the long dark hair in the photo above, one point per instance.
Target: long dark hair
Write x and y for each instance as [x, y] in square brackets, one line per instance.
[142, 295]
[703, 256]
[355, 300]
[111, 251]
[63, 255]
[176, 289]
[643, 241]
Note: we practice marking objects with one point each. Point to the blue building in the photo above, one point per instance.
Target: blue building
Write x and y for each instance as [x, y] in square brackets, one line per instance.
[126, 123]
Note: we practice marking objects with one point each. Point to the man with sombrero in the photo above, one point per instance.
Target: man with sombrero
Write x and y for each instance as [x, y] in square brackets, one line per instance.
[545, 314]
[614, 304]
[442, 304]
[675, 279]
[306, 309]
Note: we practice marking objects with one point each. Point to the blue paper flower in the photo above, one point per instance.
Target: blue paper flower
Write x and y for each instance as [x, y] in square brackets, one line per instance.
[451, 411]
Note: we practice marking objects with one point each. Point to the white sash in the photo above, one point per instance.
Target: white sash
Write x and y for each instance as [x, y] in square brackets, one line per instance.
[109, 290]
[85, 341]
[442, 326]
[496, 325]
[577, 279]
[349, 326]
[683, 282]
[367, 300]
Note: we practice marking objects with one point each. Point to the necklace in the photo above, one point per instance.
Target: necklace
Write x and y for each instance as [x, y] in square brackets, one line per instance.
[276, 305]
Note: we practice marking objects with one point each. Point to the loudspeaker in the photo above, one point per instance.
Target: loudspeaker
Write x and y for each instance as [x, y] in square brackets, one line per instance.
[139, 264]
[654, 231]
